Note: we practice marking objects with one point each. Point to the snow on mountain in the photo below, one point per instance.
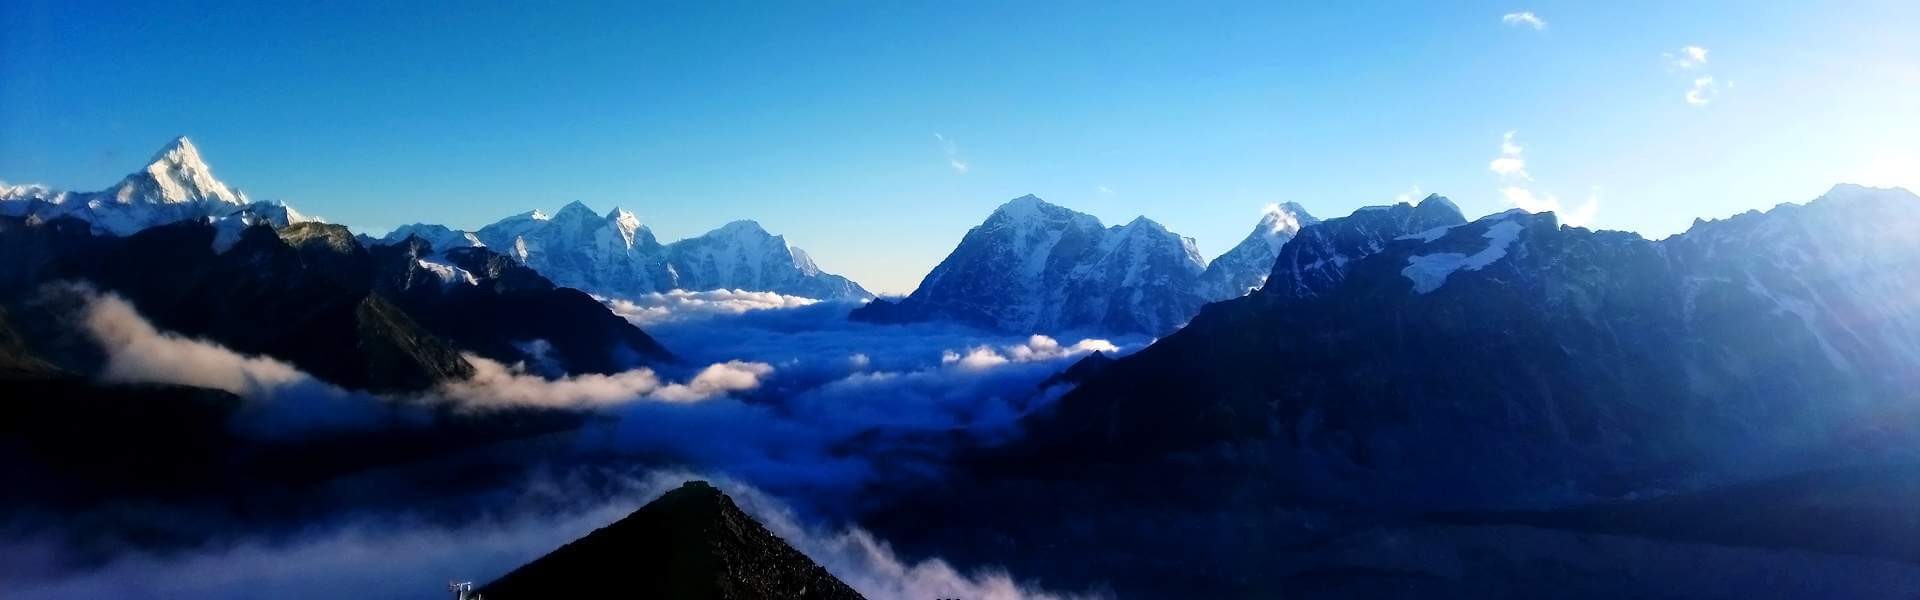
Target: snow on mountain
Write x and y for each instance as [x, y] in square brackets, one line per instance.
[1316, 259]
[1540, 356]
[1245, 267]
[743, 256]
[1035, 266]
[612, 255]
[440, 237]
[615, 255]
[175, 185]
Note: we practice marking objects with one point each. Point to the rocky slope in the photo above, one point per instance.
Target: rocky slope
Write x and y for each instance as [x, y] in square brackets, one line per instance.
[496, 307]
[1399, 354]
[311, 295]
[692, 542]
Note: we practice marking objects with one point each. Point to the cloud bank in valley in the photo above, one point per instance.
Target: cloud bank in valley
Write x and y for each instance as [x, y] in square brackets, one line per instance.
[656, 308]
[794, 402]
[286, 400]
[401, 556]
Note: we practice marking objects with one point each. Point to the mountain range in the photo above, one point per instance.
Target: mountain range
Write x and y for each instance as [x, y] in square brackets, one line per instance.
[1033, 266]
[176, 185]
[614, 255]
[1401, 352]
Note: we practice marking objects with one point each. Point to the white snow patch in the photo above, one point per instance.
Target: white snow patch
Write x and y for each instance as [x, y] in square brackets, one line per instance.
[1430, 271]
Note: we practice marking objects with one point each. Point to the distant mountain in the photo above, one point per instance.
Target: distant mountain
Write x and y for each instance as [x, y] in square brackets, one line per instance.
[176, 185]
[692, 542]
[311, 295]
[1245, 267]
[742, 256]
[1033, 266]
[496, 307]
[615, 255]
[1401, 354]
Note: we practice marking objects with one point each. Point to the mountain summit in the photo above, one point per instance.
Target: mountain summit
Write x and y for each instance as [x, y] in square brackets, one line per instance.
[1245, 267]
[1033, 266]
[692, 542]
[175, 185]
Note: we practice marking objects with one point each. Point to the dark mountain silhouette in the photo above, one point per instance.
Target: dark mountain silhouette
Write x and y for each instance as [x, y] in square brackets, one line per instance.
[691, 543]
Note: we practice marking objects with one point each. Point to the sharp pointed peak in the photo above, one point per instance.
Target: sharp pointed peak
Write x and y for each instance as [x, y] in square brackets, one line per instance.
[575, 207]
[179, 153]
[178, 147]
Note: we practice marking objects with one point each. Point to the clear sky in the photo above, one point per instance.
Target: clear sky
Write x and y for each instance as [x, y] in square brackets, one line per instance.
[873, 134]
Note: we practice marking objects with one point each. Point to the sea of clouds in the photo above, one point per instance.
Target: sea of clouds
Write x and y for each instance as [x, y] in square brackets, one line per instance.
[797, 411]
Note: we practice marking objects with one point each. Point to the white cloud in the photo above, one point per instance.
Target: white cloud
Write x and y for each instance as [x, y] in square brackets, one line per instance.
[715, 380]
[497, 385]
[1516, 187]
[1413, 194]
[1037, 348]
[953, 154]
[1509, 164]
[677, 305]
[1687, 59]
[1524, 19]
[139, 353]
[1103, 190]
[1703, 91]
[405, 556]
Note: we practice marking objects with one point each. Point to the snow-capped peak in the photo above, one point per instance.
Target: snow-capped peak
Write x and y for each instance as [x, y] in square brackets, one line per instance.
[1142, 222]
[176, 174]
[575, 210]
[1441, 201]
[626, 222]
[1280, 222]
[1025, 208]
[742, 227]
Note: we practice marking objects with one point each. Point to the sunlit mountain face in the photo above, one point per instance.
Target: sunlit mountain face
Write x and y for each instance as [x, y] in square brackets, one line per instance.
[1240, 301]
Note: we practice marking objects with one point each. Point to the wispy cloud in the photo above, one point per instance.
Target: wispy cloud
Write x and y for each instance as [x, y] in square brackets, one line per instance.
[1517, 187]
[1524, 19]
[953, 154]
[1413, 194]
[1687, 59]
[1103, 190]
[1510, 164]
[1703, 91]
[1693, 59]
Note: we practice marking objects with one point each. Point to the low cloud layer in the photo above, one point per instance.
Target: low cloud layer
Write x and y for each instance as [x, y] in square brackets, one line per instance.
[796, 401]
[287, 401]
[402, 556]
[653, 309]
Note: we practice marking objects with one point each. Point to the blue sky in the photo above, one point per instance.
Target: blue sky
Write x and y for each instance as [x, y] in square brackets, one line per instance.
[840, 124]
